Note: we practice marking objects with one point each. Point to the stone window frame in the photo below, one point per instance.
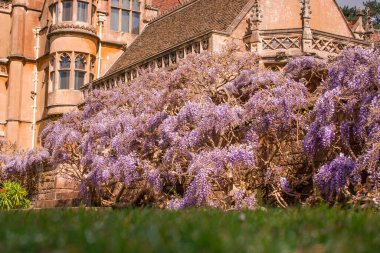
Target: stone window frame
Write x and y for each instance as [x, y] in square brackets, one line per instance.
[91, 75]
[81, 57]
[132, 10]
[89, 61]
[63, 69]
[52, 74]
[56, 11]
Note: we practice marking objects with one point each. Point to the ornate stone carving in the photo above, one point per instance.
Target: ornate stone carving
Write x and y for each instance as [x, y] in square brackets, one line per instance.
[358, 28]
[307, 35]
[173, 57]
[205, 44]
[3, 70]
[256, 16]
[369, 29]
[253, 27]
[72, 27]
[166, 60]
[189, 49]
[181, 53]
[334, 45]
[159, 62]
[197, 47]
[281, 43]
[5, 4]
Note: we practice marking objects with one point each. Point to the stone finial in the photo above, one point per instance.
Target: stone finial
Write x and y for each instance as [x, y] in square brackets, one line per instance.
[306, 9]
[358, 28]
[255, 18]
[368, 27]
[307, 35]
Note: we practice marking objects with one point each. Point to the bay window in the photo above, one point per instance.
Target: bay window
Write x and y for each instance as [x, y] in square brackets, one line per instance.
[69, 70]
[72, 11]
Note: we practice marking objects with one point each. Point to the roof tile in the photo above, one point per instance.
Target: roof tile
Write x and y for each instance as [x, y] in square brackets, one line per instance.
[178, 26]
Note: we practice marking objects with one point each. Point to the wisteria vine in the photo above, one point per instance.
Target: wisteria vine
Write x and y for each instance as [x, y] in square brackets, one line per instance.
[220, 131]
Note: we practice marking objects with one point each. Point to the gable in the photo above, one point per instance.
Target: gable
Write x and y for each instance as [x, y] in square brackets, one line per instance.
[280, 14]
[327, 17]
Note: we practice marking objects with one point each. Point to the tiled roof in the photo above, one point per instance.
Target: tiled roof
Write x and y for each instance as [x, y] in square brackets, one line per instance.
[189, 21]
[165, 5]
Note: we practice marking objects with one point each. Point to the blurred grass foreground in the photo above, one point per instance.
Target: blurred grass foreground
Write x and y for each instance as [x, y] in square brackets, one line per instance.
[151, 230]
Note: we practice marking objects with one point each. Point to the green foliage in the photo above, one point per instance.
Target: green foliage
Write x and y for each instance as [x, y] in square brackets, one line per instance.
[349, 12]
[200, 230]
[13, 195]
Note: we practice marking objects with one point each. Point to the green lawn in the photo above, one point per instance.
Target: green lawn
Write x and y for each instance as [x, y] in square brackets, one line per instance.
[148, 230]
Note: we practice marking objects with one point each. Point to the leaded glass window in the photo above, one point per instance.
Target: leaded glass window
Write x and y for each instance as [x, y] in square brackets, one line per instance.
[82, 11]
[64, 72]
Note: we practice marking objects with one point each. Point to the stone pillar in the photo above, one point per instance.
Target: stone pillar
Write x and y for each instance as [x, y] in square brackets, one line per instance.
[254, 22]
[307, 35]
[369, 29]
[16, 65]
[358, 28]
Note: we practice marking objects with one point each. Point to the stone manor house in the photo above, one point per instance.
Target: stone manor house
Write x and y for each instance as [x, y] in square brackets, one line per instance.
[54, 52]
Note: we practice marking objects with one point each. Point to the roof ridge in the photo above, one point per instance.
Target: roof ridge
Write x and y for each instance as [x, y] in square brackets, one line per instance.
[172, 10]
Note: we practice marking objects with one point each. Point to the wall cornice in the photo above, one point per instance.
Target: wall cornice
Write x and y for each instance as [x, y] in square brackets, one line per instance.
[73, 28]
[15, 57]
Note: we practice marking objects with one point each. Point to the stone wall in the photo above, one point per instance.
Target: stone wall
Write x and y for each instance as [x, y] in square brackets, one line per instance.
[55, 191]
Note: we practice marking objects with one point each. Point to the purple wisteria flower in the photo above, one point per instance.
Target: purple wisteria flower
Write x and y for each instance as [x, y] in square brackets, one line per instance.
[333, 177]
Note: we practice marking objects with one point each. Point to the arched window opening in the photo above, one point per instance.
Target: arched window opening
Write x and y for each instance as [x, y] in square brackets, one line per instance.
[64, 72]
[92, 67]
[80, 71]
[52, 74]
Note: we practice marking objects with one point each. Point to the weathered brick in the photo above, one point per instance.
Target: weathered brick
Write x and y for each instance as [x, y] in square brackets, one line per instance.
[66, 195]
[64, 183]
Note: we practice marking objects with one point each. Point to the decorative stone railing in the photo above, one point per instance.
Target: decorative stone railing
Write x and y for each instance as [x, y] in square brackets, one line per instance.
[281, 40]
[64, 27]
[332, 44]
[5, 5]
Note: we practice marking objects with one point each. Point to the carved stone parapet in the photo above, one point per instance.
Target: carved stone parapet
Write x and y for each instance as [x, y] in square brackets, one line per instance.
[3, 67]
[334, 45]
[67, 27]
[281, 42]
[5, 5]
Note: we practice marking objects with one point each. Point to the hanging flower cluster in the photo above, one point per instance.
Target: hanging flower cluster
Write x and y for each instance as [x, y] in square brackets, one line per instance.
[219, 131]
